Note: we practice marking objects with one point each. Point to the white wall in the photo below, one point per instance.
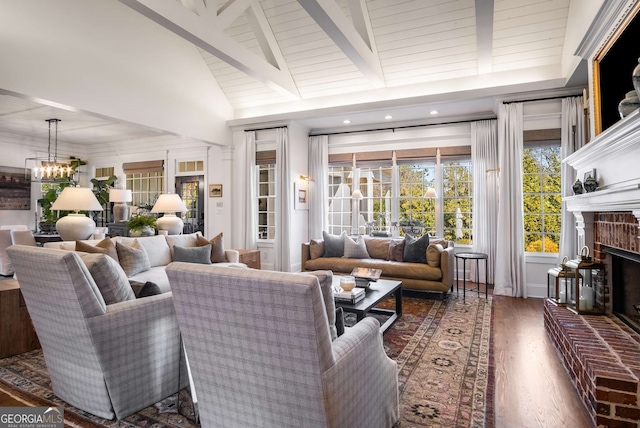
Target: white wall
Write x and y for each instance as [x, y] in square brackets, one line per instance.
[299, 153]
[581, 15]
[102, 57]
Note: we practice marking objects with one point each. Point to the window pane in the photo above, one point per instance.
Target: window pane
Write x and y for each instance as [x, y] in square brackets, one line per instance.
[541, 198]
[457, 201]
[266, 201]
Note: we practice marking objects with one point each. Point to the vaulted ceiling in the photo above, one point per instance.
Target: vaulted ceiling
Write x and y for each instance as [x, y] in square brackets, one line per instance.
[318, 59]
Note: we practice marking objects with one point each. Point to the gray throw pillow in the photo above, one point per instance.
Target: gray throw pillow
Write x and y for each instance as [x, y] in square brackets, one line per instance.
[109, 277]
[355, 249]
[333, 244]
[200, 255]
[145, 289]
[415, 250]
[133, 259]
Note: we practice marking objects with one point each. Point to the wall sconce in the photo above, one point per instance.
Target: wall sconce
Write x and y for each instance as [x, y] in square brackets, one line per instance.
[305, 178]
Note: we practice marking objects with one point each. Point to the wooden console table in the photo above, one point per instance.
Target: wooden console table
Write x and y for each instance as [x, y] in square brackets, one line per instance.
[250, 258]
[17, 334]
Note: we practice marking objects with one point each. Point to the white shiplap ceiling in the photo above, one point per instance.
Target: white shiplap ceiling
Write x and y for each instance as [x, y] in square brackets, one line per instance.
[274, 57]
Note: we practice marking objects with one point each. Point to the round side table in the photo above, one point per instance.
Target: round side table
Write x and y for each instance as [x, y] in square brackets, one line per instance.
[477, 257]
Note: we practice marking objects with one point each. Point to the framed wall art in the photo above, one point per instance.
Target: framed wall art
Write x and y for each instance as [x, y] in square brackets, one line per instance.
[215, 190]
[301, 195]
[15, 189]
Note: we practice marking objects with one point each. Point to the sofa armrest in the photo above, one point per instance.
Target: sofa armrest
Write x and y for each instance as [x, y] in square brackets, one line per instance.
[306, 255]
[447, 264]
[233, 256]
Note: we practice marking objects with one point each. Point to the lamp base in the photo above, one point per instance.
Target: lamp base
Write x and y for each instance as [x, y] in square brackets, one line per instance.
[75, 227]
[171, 223]
[120, 212]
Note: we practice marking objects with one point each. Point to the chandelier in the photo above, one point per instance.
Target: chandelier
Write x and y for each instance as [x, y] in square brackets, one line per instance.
[52, 170]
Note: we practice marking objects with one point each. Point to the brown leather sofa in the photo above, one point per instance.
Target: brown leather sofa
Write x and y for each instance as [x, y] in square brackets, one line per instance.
[437, 275]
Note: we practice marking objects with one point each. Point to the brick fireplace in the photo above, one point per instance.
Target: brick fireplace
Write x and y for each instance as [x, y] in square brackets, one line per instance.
[601, 353]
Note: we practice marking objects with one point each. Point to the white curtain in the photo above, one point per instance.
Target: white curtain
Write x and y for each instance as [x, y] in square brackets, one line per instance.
[283, 202]
[510, 277]
[572, 138]
[484, 158]
[318, 171]
[250, 214]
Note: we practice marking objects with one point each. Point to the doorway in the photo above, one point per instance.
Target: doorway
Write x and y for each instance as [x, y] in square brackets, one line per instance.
[191, 190]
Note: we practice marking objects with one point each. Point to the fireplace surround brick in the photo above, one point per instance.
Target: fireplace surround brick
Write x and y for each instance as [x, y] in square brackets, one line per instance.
[602, 356]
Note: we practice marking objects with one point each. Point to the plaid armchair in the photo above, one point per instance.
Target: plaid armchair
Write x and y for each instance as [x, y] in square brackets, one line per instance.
[261, 353]
[109, 360]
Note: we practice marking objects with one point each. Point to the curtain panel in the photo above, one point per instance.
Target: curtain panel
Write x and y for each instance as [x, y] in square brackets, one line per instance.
[250, 192]
[318, 198]
[484, 158]
[283, 201]
[510, 277]
[572, 137]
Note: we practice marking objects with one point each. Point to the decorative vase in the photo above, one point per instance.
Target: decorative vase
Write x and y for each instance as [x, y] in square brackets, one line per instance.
[590, 184]
[636, 77]
[577, 187]
[629, 104]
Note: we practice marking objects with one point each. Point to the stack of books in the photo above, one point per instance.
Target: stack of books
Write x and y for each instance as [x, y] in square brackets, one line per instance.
[352, 296]
[364, 276]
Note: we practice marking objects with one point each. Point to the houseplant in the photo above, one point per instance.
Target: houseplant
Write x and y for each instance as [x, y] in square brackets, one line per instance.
[142, 225]
[411, 226]
[49, 217]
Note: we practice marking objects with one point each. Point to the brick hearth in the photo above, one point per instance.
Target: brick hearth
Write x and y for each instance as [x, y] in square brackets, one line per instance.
[602, 356]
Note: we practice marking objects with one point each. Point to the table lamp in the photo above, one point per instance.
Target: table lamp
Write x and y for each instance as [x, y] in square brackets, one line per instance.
[76, 226]
[169, 204]
[120, 207]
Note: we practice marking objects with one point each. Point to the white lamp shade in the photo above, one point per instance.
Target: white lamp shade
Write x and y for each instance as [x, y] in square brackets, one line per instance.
[357, 195]
[169, 203]
[120, 195]
[431, 193]
[76, 199]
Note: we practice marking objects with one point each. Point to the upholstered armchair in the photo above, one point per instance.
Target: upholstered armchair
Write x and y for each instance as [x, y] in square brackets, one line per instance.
[6, 268]
[109, 360]
[261, 353]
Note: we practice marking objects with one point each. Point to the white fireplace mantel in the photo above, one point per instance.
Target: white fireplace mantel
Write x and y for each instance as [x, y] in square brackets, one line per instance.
[615, 155]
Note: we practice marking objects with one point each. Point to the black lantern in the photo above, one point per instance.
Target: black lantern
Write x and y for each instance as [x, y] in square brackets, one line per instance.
[586, 292]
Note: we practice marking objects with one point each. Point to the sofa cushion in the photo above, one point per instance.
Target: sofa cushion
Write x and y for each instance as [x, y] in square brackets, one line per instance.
[316, 248]
[133, 259]
[415, 250]
[378, 248]
[157, 275]
[157, 249]
[216, 254]
[396, 250]
[201, 255]
[389, 269]
[106, 246]
[109, 277]
[188, 240]
[433, 254]
[333, 244]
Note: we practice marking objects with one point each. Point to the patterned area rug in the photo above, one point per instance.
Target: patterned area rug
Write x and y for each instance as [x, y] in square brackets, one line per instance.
[443, 350]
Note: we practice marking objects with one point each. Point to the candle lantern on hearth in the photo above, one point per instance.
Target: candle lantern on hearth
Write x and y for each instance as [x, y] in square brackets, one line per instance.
[586, 290]
[558, 282]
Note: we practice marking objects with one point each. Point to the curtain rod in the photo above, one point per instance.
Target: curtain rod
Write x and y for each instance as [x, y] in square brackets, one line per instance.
[400, 127]
[264, 129]
[543, 99]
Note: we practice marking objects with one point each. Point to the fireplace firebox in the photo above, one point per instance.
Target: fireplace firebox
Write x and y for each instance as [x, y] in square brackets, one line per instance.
[625, 287]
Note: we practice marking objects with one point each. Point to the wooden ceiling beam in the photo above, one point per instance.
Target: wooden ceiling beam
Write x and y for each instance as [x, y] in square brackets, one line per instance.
[204, 32]
[360, 50]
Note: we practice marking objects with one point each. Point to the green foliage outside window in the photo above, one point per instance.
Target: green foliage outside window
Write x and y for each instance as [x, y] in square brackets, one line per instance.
[542, 199]
[458, 194]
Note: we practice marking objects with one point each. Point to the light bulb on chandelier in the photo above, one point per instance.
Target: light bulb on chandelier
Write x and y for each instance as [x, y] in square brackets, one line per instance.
[52, 170]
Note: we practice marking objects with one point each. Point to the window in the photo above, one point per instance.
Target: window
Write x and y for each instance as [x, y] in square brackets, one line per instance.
[266, 201]
[457, 201]
[541, 197]
[375, 207]
[340, 189]
[395, 195]
[145, 188]
[104, 172]
[415, 209]
[190, 166]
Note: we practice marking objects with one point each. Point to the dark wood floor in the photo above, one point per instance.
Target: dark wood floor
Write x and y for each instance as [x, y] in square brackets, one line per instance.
[532, 387]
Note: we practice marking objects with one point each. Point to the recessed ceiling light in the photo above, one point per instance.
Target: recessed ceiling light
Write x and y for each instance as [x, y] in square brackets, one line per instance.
[346, 121]
[388, 117]
[433, 112]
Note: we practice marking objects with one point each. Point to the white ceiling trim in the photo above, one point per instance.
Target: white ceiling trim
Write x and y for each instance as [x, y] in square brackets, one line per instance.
[484, 34]
[360, 50]
[204, 31]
